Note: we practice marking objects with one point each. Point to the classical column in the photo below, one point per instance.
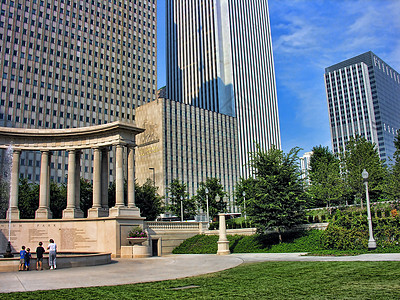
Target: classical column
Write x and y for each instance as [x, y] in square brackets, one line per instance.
[120, 209]
[78, 211]
[71, 191]
[13, 209]
[43, 212]
[73, 172]
[96, 210]
[119, 180]
[96, 178]
[104, 177]
[131, 177]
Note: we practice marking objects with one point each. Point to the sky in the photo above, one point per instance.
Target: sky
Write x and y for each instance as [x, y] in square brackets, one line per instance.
[307, 37]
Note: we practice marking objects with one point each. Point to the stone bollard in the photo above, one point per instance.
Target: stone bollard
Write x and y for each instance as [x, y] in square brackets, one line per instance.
[223, 243]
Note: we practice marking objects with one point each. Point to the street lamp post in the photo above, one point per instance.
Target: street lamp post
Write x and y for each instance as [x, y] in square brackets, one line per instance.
[208, 212]
[371, 241]
[181, 208]
[244, 204]
[154, 176]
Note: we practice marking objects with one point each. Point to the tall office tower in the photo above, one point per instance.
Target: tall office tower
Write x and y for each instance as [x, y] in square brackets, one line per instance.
[186, 142]
[305, 167]
[219, 58]
[70, 63]
[363, 95]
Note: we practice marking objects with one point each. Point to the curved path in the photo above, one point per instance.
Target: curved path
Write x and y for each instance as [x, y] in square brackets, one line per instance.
[125, 271]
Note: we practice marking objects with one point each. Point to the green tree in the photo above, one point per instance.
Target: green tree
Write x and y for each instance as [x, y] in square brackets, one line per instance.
[148, 201]
[86, 195]
[359, 155]
[177, 192]
[214, 187]
[279, 196]
[28, 199]
[247, 185]
[111, 193]
[58, 199]
[327, 186]
[4, 198]
[393, 186]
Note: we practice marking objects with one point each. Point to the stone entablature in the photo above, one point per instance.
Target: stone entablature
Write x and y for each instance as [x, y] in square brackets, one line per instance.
[116, 133]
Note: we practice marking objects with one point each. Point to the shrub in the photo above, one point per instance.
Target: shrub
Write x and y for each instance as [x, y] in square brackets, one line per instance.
[304, 241]
[349, 230]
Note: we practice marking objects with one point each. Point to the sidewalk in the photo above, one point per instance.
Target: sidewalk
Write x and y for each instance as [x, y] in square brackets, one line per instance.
[125, 271]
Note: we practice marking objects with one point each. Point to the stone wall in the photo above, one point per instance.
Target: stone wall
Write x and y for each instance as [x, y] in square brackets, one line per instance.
[75, 235]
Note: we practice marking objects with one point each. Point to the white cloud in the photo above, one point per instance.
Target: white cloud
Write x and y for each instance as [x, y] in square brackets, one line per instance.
[309, 36]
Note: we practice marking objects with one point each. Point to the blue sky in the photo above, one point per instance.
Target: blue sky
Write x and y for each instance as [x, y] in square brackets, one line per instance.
[307, 37]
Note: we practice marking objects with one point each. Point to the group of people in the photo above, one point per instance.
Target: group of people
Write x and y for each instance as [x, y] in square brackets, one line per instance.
[25, 256]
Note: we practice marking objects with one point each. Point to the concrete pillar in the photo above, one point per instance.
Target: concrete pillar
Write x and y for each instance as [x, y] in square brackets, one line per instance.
[13, 209]
[96, 210]
[105, 175]
[223, 243]
[119, 174]
[96, 179]
[78, 211]
[43, 212]
[73, 191]
[120, 209]
[131, 177]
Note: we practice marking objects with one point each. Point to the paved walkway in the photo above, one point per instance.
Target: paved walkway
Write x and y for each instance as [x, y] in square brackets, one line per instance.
[125, 271]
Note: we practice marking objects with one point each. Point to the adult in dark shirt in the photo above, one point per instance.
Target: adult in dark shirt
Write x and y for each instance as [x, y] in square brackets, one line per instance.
[39, 257]
[27, 259]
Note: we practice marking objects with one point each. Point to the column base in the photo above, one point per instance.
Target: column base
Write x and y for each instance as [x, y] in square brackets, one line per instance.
[123, 211]
[135, 251]
[72, 213]
[43, 213]
[14, 213]
[223, 248]
[97, 212]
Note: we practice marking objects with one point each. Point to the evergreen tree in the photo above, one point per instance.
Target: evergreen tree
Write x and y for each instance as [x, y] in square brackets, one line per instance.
[327, 186]
[148, 201]
[359, 155]
[176, 194]
[393, 186]
[214, 187]
[278, 199]
[58, 199]
[28, 199]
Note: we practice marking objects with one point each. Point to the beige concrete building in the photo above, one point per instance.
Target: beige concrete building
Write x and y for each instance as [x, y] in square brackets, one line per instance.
[186, 142]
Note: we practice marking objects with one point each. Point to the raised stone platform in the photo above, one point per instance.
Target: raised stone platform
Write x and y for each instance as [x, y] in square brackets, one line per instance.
[71, 235]
[64, 260]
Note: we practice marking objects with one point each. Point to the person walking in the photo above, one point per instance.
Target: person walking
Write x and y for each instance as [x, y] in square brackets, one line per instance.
[39, 256]
[22, 259]
[52, 247]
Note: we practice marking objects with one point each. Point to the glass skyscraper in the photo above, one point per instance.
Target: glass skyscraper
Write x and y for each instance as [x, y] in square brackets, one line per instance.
[219, 58]
[363, 95]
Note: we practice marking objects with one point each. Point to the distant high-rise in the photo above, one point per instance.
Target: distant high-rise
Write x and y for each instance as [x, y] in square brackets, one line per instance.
[72, 63]
[363, 95]
[219, 58]
[305, 167]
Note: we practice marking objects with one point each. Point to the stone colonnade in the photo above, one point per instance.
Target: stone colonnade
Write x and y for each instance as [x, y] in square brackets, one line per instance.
[100, 139]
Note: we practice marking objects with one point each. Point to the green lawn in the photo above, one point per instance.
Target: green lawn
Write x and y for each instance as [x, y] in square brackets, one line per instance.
[268, 280]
